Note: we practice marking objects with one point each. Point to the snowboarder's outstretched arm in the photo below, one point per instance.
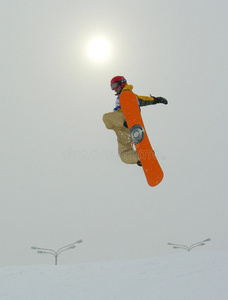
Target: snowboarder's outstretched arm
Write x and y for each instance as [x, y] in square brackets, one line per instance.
[145, 100]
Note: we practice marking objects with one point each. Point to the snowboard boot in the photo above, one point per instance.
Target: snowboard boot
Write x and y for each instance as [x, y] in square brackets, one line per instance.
[125, 124]
[139, 163]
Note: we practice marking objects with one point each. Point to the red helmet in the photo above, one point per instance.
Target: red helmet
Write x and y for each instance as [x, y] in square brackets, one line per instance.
[118, 79]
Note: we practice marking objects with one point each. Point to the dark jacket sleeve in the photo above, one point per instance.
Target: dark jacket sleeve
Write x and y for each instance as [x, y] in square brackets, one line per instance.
[144, 100]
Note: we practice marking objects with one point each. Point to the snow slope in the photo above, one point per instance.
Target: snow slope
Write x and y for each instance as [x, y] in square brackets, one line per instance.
[188, 275]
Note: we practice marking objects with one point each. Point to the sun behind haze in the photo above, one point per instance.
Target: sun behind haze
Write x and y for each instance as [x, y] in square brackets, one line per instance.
[99, 49]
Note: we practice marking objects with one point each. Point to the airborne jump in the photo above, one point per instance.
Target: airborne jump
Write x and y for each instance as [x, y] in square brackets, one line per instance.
[127, 123]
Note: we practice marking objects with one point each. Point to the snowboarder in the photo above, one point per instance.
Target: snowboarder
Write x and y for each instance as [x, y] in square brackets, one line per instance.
[115, 120]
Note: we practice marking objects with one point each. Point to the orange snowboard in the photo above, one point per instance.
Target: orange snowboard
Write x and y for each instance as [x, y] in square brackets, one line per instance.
[151, 167]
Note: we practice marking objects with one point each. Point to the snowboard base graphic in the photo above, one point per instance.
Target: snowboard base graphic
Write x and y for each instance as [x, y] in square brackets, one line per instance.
[150, 164]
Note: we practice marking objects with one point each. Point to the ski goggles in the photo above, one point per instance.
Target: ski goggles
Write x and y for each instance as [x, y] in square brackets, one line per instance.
[115, 85]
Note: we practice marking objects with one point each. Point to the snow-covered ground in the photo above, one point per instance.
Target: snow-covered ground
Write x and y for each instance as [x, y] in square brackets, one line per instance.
[185, 275]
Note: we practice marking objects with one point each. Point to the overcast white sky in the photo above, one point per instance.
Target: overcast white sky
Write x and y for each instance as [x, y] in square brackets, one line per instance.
[61, 177]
